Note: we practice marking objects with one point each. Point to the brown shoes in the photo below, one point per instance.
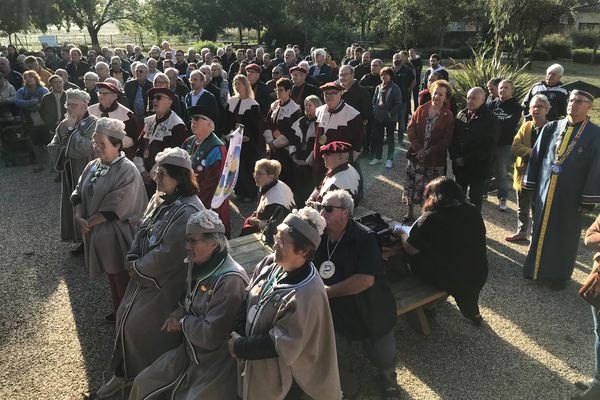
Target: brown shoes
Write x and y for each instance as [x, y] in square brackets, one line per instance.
[517, 237]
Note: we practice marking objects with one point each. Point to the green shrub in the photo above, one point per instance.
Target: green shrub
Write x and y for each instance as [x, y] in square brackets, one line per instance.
[478, 70]
[585, 39]
[540, 55]
[208, 44]
[559, 46]
[584, 56]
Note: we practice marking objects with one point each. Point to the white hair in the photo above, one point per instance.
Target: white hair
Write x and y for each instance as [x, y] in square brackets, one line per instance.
[91, 75]
[171, 70]
[114, 81]
[344, 198]
[101, 64]
[312, 216]
[559, 69]
[115, 58]
[321, 52]
[542, 99]
[288, 51]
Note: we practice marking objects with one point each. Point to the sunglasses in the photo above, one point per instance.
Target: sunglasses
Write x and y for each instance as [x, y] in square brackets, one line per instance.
[326, 207]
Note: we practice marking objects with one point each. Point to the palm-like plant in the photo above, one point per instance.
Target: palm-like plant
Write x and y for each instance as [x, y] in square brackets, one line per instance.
[482, 67]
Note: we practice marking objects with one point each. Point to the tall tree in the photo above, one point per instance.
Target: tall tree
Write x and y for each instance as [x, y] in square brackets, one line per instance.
[94, 14]
[21, 15]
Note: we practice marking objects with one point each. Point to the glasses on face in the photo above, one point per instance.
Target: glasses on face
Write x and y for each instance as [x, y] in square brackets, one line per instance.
[101, 146]
[199, 117]
[103, 93]
[158, 173]
[158, 97]
[578, 101]
[331, 94]
[327, 207]
[279, 241]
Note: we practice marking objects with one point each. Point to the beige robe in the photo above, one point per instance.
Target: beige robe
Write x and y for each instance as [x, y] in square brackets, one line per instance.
[120, 190]
[157, 255]
[201, 367]
[71, 150]
[298, 319]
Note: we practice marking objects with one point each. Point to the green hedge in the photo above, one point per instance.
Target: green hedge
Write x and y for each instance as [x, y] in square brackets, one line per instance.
[208, 44]
[559, 46]
[585, 39]
[584, 56]
[540, 55]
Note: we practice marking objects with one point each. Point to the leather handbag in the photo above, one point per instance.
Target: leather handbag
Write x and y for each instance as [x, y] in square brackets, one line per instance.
[590, 291]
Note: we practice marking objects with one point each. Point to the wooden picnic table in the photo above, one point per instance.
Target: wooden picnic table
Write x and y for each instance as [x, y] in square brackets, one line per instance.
[411, 293]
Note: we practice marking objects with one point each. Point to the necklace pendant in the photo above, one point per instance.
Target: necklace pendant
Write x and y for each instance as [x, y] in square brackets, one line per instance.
[327, 269]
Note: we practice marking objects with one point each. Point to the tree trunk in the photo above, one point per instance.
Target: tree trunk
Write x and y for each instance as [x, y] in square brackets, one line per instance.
[209, 33]
[93, 31]
[593, 59]
[241, 33]
[258, 30]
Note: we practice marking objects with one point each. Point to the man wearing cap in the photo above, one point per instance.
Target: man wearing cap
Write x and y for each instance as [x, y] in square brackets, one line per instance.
[336, 121]
[136, 90]
[208, 154]
[70, 151]
[201, 99]
[564, 172]
[278, 129]
[215, 292]
[362, 305]
[302, 89]
[262, 93]
[109, 106]
[340, 174]
[161, 130]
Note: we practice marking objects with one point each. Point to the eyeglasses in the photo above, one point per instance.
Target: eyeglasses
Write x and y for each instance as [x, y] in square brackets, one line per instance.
[579, 101]
[199, 117]
[105, 93]
[158, 97]
[327, 207]
[158, 173]
[278, 240]
[101, 146]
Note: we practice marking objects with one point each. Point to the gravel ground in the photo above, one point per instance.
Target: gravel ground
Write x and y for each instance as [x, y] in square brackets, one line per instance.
[54, 343]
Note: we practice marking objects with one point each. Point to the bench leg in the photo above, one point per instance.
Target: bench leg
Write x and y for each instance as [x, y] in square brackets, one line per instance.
[423, 323]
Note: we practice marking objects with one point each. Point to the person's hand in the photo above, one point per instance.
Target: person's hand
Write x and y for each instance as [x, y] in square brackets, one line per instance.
[460, 162]
[233, 337]
[253, 221]
[300, 162]
[171, 324]
[82, 224]
[421, 154]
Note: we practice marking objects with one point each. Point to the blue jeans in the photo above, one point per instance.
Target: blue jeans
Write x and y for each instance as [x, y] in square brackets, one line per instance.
[596, 346]
[503, 160]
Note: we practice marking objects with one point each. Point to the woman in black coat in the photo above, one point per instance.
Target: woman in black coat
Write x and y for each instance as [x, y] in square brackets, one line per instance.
[447, 245]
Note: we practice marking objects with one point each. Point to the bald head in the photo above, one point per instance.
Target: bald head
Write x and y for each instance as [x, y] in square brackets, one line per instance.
[475, 98]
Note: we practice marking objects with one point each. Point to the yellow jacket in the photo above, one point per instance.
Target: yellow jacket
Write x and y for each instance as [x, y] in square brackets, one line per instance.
[521, 148]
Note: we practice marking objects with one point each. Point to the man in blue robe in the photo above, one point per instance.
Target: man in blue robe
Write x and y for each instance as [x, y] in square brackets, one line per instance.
[564, 171]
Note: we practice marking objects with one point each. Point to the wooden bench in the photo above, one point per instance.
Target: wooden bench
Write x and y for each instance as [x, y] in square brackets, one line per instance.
[411, 293]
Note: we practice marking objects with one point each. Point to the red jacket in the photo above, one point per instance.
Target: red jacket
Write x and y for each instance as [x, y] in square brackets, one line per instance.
[441, 135]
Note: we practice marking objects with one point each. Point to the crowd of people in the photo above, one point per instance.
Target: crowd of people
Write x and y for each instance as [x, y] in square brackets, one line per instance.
[140, 142]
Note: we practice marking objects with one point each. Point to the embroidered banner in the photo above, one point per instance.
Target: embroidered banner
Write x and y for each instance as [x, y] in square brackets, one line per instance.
[230, 170]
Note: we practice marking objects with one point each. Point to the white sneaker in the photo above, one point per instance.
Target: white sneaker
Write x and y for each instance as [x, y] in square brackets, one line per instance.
[388, 164]
[502, 204]
[374, 161]
[113, 386]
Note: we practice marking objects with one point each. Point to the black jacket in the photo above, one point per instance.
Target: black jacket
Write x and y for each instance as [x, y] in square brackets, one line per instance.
[474, 141]
[131, 88]
[359, 98]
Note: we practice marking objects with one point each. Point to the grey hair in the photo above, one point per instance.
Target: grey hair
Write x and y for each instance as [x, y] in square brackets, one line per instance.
[101, 63]
[171, 70]
[218, 237]
[142, 66]
[556, 68]
[349, 68]
[344, 198]
[320, 52]
[114, 81]
[477, 89]
[198, 72]
[116, 58]
[288, 51]
[542, 99]
[91, 75]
